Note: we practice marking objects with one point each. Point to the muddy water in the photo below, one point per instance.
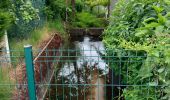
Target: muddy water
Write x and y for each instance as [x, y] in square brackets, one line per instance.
[83, 72]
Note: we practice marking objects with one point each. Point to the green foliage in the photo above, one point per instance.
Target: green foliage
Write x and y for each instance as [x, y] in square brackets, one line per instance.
[79, 5]
[16, 13]
[93, 3]
[55, 8]
[5, 21]
[37, 35]
[5, 4]
[5, 16]
[142, 26]
[23, 10]
[27, 16]
[28, 12]
[85, 19]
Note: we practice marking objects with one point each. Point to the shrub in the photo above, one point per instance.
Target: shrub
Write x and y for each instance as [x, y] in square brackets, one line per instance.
[55, 9]
[5, 16]
[5, 21]
[142, 26]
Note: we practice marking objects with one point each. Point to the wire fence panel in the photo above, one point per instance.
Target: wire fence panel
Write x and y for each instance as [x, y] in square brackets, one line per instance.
[79, 74]
[9, 72]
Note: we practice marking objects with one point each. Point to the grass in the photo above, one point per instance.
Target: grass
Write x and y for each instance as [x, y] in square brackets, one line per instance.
[5, 90]
[36, 38]
[39, 35]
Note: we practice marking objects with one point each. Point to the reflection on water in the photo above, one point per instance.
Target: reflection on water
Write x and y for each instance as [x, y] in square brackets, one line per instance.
[82, 68]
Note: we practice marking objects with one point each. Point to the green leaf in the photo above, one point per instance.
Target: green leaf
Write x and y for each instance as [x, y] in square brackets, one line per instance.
[158, 9]
[154, 53]
[161, 70]
[167, 56]
[161, 19]
[167, 23]
[141, 33]
[152, 25]
[148, 20]
[167, 2]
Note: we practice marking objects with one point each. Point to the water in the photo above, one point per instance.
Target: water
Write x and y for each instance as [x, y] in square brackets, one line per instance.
[83, 72]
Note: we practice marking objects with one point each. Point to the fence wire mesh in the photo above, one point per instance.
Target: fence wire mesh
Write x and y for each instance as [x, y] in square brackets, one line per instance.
[67, 74]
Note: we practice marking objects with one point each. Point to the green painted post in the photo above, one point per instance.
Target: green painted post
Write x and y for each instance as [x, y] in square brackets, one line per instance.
[30, 72]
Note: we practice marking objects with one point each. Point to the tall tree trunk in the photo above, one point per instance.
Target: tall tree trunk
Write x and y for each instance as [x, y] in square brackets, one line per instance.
[73, 7]
[66, 17]
[108, 8]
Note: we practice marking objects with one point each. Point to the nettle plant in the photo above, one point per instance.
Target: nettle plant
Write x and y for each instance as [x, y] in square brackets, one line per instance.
[142, 28]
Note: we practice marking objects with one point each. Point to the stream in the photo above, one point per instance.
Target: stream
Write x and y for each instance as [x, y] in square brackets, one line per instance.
[83, 72]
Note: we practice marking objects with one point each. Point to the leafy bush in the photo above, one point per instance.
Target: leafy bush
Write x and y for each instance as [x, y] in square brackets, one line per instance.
[17, 14]
[27, 12]
[55, 8]
[79, 5]
[5, 21]
[5, 17]
[142, 26]
[85, 19]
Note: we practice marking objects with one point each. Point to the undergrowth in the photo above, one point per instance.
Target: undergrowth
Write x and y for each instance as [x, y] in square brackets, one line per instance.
[39, 35]
[5, 91]
[86, 20]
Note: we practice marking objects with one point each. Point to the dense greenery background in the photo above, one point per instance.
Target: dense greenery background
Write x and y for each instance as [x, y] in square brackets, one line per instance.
[137, 28]
[20, 17]
[142, 28]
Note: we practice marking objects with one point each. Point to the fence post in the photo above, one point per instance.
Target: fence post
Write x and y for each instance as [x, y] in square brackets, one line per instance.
[8, 57]
[30, 72]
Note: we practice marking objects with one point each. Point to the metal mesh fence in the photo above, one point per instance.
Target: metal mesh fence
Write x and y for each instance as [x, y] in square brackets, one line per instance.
[8, 74]
[67, 74]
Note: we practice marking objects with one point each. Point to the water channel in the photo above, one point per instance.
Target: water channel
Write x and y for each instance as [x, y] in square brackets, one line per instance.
[83, 73]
